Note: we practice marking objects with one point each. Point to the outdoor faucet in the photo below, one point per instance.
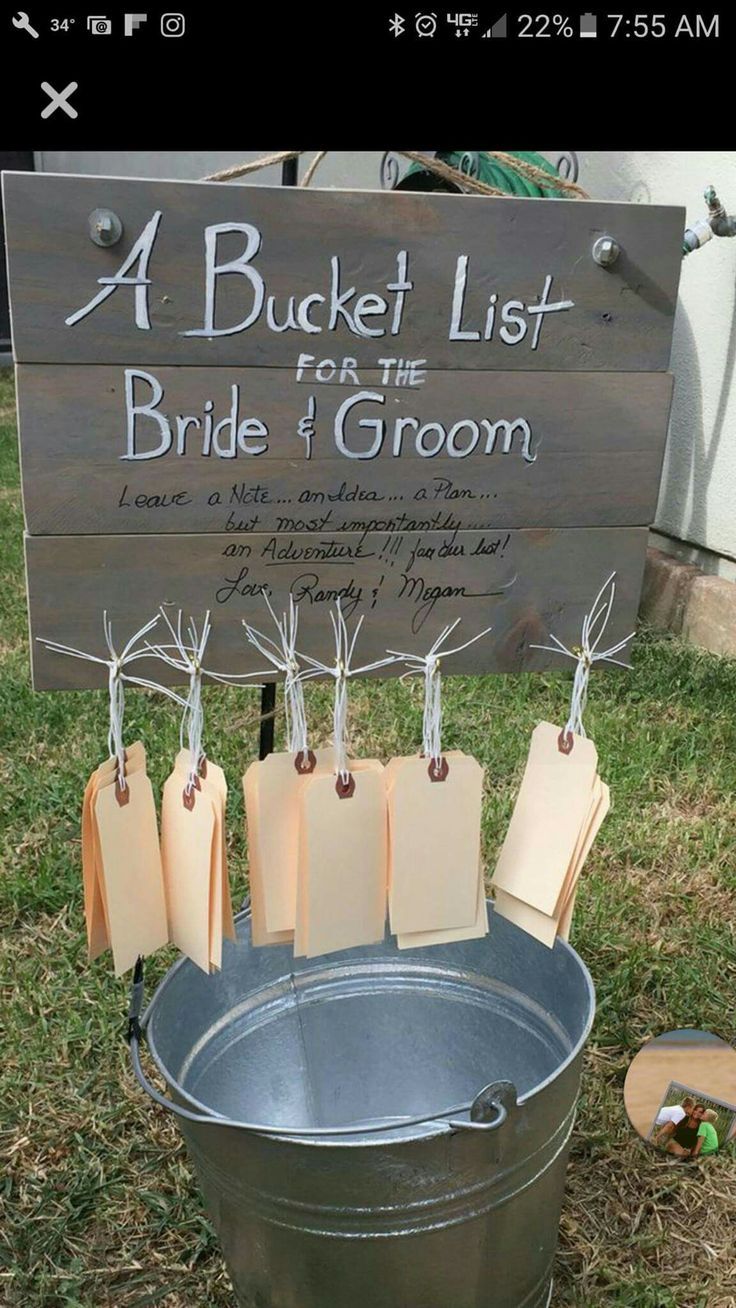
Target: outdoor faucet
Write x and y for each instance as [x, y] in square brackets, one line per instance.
[717, 223]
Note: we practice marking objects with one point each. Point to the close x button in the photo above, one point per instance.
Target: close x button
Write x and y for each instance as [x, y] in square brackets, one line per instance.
[59, 100]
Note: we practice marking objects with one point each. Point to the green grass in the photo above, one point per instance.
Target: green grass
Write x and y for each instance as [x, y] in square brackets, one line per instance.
[99, 1204]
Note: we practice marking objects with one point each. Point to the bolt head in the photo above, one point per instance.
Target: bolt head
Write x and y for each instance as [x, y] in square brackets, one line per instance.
[105, 228]
[605, 251]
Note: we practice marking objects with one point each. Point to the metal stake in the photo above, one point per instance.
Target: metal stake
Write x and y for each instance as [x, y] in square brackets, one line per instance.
[289, 177]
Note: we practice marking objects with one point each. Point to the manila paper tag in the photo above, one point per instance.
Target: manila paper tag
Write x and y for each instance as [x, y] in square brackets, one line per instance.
[134, 754]
[563, 929]
[212, 779]
[130, 870]
[300, 930]
[549, 814]
[190, 848]
[434, 841]
[95, 909]
[478, 929]
[341, 894]
[544, 927]
[259, 933]
[271, 788]
[389, 771]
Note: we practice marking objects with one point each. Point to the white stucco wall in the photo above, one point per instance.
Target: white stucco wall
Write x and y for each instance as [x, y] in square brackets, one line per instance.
[697, 504]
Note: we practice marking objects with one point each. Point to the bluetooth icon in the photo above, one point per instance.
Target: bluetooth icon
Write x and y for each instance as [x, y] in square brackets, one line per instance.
[397, 24]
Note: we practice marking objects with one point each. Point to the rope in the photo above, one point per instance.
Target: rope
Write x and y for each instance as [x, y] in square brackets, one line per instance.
[283, 657]
[311, 170]
[341, 671]
[429, 665]
[116, 679]
[242, 170]
[437, 166]
[587, 653]
[537, 175]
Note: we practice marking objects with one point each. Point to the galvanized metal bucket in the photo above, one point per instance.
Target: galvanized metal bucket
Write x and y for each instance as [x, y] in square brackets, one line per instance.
[379, 1128]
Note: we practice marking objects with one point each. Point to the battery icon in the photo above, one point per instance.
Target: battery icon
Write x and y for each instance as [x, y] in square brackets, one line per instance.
[588, 25]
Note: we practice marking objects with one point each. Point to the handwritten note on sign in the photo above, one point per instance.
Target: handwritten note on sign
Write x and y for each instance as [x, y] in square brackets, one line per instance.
[429, 405]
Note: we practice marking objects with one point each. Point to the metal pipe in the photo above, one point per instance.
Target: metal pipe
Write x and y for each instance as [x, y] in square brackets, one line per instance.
[289, 177]
[717, 223]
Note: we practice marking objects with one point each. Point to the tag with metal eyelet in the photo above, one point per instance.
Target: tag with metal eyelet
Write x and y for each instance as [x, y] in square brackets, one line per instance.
[345, 789]
[122, 793]
[438, 772]
[565, 742]
[188, 794]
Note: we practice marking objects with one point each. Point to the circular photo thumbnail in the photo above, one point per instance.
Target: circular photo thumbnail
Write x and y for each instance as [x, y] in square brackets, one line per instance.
[680, 1093]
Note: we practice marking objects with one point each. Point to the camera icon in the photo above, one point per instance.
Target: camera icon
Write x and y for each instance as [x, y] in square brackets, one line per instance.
[172, 24]
[98, 25]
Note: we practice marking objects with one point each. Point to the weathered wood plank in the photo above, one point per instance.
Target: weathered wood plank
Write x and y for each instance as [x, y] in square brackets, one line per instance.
[618, 319]
[409, 585]
[585, 450]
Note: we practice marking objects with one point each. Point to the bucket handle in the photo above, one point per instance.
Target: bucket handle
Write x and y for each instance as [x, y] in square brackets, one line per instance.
[488, 1112]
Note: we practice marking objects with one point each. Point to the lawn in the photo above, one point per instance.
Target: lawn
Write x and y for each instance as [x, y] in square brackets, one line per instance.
[99, 1204]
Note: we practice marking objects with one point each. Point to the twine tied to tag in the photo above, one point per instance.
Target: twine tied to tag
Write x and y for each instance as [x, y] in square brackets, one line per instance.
[429, 665]
[283, 656]
[188, 658]
[585, 655]
[117, 678]
[342, 670]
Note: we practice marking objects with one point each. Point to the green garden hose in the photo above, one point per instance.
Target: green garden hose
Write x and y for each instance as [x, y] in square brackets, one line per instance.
[487, 170]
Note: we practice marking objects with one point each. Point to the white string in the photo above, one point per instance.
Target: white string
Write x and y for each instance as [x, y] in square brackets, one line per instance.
[189, 661]
[341, 671]
[284, 658]
[116, 679]
[588, 653]
[429, 665]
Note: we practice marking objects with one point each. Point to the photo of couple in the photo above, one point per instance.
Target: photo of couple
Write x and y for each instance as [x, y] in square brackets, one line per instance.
[687, 1129]
[680, 1094]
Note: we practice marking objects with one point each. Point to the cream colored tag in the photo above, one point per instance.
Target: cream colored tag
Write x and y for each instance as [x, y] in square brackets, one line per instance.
[95, 908]
[98, 939]
[479, 928]
[216, 885]
[214, 781]
[342, 862]
[548, 817]
[134, 754]
[546, 927]
[389, 772]
[131, 870]
[260, 935]
[300, 932]
[597, 811]
[539, 925]
[563, 930]
[190, 847]
[106, 777]
[602, 809]
[272, 813]
[392, 767]
[434, 833]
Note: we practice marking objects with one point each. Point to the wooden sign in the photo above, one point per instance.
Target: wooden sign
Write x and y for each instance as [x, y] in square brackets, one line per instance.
[430, 405]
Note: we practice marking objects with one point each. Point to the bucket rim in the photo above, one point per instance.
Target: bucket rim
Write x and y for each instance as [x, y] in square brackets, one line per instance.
[409, 1135]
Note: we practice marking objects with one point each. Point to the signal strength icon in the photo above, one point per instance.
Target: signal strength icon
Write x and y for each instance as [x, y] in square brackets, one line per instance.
[499, 28]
